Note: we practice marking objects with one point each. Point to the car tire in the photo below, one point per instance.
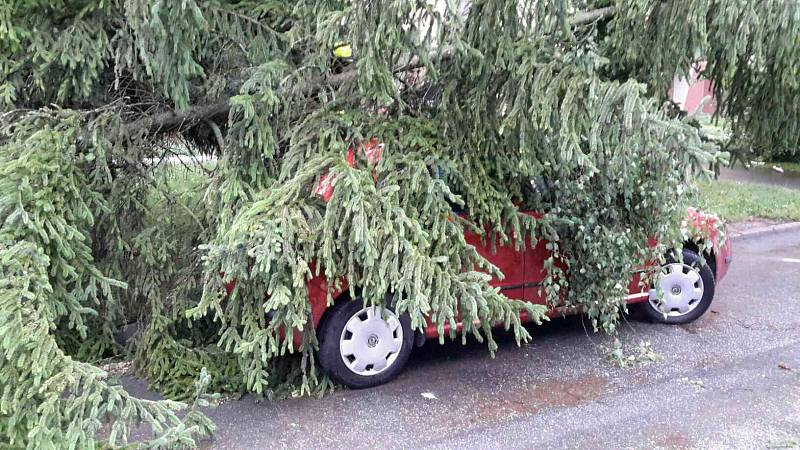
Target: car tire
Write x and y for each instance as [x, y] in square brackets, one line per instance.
[687, 290]
[361, 348]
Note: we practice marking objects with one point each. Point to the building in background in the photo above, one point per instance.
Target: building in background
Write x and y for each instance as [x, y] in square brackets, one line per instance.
[689, 92]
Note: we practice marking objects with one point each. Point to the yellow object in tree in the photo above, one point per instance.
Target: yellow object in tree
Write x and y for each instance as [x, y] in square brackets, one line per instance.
[343, 51]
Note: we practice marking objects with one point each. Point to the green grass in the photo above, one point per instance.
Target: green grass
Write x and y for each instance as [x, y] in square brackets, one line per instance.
[178, 183]
[787, 166]
[736, 201]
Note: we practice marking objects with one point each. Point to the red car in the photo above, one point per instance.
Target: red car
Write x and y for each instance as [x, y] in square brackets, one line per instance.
[359, 348]
[364, 346]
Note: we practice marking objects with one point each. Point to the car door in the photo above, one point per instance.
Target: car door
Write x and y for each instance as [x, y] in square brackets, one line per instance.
[533, 262]
[509, 260]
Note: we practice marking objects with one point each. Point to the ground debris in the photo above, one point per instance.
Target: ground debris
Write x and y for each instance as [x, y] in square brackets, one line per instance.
[696, 383]
[117, 368]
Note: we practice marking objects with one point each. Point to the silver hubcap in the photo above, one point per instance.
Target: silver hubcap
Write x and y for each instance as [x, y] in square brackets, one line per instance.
[682, 290]
[369, 344]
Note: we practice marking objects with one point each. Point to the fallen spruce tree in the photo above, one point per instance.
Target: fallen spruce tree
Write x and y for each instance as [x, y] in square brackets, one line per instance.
[152, 151]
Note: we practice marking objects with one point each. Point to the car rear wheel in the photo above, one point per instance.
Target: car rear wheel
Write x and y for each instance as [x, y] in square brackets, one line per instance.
[686, 290]
[364, 346]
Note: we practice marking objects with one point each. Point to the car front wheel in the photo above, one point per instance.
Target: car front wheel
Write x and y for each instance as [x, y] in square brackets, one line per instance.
[685, 288]
[364, 346]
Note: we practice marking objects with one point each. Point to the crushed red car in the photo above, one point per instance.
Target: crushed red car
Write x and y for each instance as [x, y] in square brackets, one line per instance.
[365, 346]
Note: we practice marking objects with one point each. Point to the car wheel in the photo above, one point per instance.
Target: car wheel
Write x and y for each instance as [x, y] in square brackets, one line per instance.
[686, 290]
[362, 346]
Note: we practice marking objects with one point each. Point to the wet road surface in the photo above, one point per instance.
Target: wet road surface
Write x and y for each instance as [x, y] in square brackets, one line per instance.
[729, 380]
[762, 175]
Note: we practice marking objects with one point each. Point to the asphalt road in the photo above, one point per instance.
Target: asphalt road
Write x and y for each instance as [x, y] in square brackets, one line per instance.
[729, 380]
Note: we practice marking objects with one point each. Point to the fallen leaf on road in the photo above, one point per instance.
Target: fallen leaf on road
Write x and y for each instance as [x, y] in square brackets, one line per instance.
[429, 396]
[696, 383]
[784, 366]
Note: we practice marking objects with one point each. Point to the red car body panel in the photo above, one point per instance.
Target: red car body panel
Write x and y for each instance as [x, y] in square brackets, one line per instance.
[530, 263]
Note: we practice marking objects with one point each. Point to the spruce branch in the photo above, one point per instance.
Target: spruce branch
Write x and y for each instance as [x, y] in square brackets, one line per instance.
[529, 110]
[172, 120]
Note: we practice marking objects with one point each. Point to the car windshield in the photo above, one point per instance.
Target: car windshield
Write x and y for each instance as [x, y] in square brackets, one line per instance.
[541, 186]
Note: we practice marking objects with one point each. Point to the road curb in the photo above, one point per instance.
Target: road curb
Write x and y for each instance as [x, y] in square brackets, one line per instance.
[762, 231]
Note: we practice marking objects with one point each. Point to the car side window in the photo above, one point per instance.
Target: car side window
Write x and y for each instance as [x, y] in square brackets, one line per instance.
[541, 186]
[538, 192]
[458, 209]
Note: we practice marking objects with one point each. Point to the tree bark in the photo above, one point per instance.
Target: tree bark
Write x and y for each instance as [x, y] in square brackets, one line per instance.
[191, 116]
[584, 17]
